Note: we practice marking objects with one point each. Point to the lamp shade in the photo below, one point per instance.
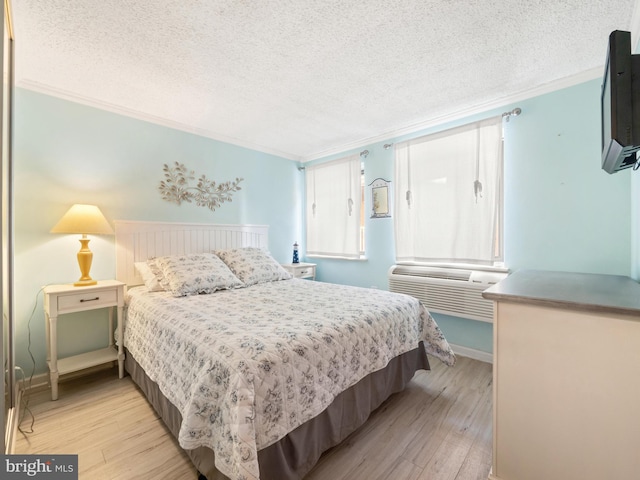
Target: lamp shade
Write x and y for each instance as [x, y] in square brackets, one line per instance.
[83, 219]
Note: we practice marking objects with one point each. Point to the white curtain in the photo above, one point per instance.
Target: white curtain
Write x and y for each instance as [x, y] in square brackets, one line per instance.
[333, 208]
[448, 200]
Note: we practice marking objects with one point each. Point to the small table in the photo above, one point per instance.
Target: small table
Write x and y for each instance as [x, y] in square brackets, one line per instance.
[301, 270]
[62, 299]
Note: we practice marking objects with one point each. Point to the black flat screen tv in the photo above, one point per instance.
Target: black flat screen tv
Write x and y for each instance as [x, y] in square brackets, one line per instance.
[620, 105]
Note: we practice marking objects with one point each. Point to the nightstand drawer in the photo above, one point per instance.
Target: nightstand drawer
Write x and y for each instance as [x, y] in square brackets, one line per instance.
[303, 272]
[87, 300]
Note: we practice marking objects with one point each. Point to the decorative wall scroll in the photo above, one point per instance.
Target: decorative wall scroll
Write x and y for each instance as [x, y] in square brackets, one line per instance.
[177, 188]
[380, 195]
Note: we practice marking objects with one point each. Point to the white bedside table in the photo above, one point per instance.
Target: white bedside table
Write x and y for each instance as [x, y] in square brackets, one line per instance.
[62, 299]
[301, 270]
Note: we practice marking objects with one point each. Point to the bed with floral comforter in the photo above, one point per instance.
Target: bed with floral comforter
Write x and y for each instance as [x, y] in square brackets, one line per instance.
[245, 366]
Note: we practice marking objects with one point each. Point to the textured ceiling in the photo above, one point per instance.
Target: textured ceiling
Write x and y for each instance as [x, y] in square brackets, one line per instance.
[304, 78]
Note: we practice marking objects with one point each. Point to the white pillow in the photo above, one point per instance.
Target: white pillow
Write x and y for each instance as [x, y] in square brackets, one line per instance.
[253, 265]
[195, 273]
[151, 280]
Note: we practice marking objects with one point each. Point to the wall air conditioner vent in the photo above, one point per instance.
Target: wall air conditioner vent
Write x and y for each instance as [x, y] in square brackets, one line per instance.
[452, 291]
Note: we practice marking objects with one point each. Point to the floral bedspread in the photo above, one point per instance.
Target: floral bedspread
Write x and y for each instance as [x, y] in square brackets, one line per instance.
[247, 366]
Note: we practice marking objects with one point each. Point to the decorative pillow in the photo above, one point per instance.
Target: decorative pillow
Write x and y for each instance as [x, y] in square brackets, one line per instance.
[253, 265]
[195, 273]
[150, 278]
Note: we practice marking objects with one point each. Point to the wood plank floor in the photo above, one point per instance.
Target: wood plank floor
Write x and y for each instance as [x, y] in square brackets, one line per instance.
[438, 428]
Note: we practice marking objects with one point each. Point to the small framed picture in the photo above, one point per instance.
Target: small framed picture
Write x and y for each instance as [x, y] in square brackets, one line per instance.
[380, 198]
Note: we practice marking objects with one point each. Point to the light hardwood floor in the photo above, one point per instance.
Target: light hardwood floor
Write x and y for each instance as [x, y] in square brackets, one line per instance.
[438, 428]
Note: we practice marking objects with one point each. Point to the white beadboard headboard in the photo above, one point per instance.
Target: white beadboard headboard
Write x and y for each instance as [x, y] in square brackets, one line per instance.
[137, 241]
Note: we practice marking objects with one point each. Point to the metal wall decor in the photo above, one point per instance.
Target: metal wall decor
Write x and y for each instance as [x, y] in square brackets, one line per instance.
[177, 188]
[380, 195]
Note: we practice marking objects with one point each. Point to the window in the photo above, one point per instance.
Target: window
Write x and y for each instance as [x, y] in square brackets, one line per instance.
[333, 208]
[448, 200]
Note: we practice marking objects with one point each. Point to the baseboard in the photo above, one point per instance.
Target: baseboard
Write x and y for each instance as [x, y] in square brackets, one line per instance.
[472, 353]
[40, 382]
[36, 383]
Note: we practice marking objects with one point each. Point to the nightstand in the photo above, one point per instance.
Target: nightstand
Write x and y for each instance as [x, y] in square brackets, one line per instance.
[301, 270]
[63, 299]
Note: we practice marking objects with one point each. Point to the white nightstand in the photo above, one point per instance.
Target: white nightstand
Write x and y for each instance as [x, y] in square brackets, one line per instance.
[301, 270]
[62, 299]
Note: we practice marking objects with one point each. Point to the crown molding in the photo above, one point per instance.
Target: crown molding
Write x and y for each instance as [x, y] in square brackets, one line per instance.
[461, 113]
[128, 112]
[386, 136]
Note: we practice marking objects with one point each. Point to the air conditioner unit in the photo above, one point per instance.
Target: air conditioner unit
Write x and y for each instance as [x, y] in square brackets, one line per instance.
[452, 291]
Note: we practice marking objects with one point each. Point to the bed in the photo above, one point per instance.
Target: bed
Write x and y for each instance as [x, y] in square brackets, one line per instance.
[254, 372]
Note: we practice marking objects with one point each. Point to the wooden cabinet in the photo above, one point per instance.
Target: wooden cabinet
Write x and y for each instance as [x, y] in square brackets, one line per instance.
[566, 376]
[63, 299]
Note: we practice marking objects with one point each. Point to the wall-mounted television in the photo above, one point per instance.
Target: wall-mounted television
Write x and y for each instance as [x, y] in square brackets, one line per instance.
[620, 104]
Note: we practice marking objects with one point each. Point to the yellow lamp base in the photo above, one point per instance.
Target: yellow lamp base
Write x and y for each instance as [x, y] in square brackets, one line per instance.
[85, 257]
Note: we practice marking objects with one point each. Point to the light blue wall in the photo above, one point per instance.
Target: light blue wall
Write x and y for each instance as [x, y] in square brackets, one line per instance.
[67, 153]
[562, 212]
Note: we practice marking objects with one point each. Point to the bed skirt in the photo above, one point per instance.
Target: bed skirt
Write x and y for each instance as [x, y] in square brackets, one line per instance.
[296, 454]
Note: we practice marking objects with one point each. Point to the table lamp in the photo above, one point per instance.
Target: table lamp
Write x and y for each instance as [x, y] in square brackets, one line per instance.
[84, 219]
